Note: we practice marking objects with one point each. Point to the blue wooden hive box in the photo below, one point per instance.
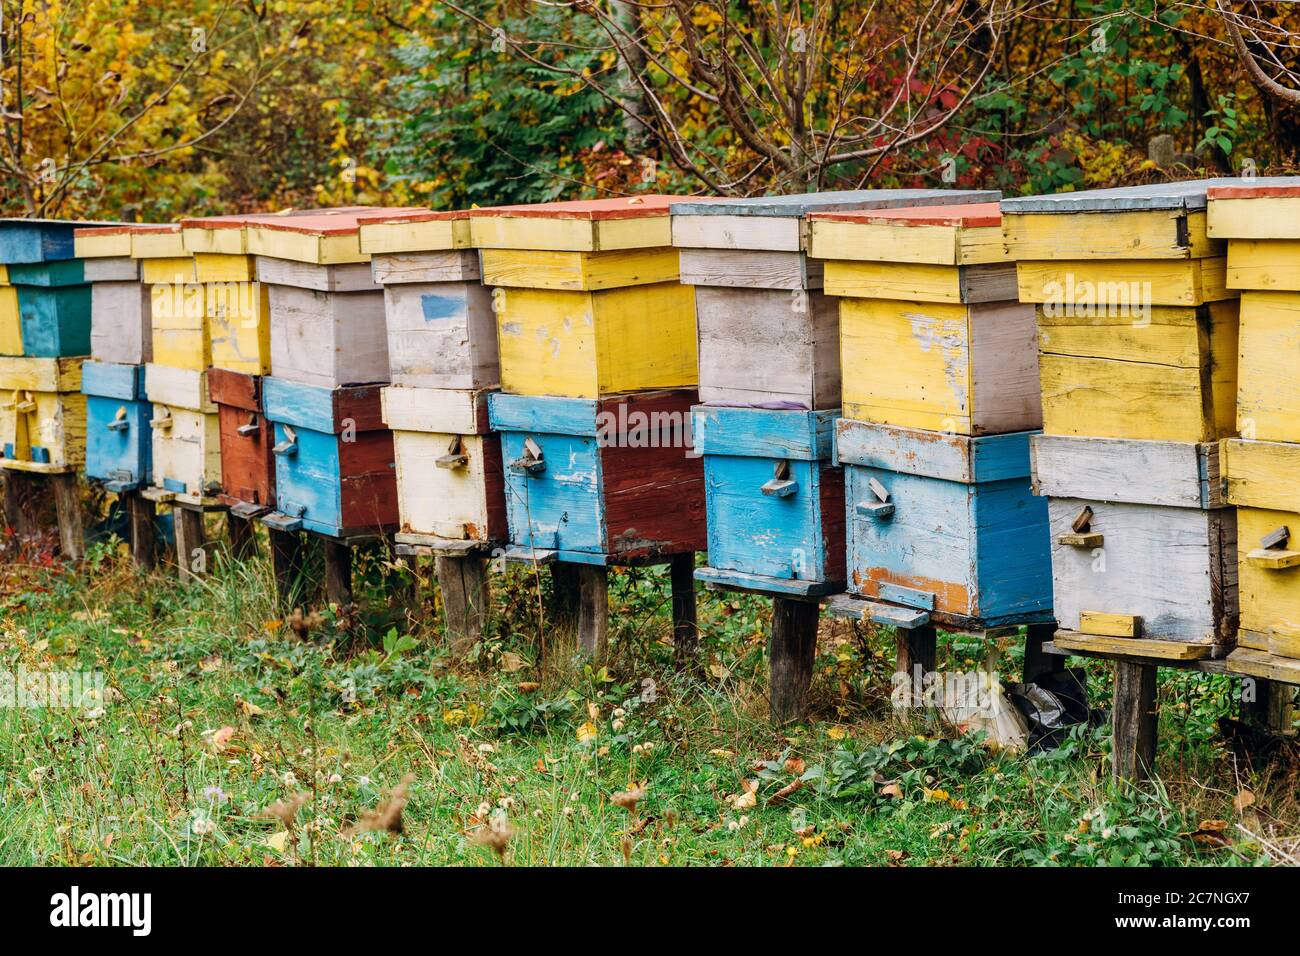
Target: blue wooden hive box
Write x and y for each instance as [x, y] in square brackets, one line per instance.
[945, 523]
[118, 436]
[334, 471]
[600, 481]
[775, 500]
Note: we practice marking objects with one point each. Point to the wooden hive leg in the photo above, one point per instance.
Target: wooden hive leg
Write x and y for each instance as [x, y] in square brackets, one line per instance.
[686, 633]
[243, 540]
[917, 649]
[792, 653]
[143, 515]
[593, 610]
[564, 602]
[463, 582]
[1273, 706]
[67, 504]
[402, 581]
[1037, 663]
[338, 572]
[17, 507]
[1133, 750]
[288, 559]
[191, 553]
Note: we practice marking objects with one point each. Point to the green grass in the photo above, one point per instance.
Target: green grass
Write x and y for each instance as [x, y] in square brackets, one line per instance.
[343, 716]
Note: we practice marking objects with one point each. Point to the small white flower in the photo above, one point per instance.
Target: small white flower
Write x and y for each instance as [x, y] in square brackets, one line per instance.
[617, 725]
[486, 749]
[290, 780]
[620, 712]
[364, 781]
[483, 810]
[203, 826]
[336, 778]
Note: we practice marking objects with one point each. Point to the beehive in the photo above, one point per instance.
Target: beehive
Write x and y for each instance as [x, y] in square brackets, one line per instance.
[42, 413]
[586, 297]
[450, 480]
[601, 481]
[441, 328]
[775, 501]
[1134, 312]
[186, 445]
[334, 470]
[120, 321]
[1142, 545]
[36, 243]
[118, 435]
[327, 312]
[931, 334]
[945, 523]
[442, 352]
[1255, 218]
[768, 335]
[247, 464]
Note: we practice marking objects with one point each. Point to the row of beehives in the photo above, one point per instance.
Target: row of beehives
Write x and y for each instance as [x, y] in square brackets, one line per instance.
[930, 353]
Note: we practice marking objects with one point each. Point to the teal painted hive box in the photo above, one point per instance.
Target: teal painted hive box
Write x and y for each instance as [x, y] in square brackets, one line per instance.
[774, 499]
[601, 481]
[53, 301]
[945, 523]
[118, 434]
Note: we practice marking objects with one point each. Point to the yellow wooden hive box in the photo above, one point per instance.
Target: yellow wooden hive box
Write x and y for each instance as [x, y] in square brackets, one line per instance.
[42, 414]
[1262, 228]
[931, 334]
[586, 297]
[1261, 482]
[1137, 326]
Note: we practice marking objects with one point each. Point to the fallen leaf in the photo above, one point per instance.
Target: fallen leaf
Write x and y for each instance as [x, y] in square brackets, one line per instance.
[795, 765]
[785, 792]
[527, 686]
[587, 731]
[511, 662]
[836, 733]
[1244, 799]
[892, 790]
[277, 841]
[221, 738]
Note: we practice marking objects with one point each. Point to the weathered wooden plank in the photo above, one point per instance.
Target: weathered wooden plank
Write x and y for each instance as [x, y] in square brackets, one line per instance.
[112, 269]
[1268, 389]
[181, 387]
[463, 582]
[416, 231]
[343, 277]
[458, 411]
[1131, 284]
[1176, 474]
[936, 235]
[578, 271]
[1256, 663]
[1265, 265]
[1131, 234]
[583, 225]
[1260, 209]
[1109, 625]
[764, 433]
[949, 457]
[750, 269]
[452, 265]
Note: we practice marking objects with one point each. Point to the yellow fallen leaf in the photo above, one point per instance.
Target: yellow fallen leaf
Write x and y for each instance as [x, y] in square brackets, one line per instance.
[721, 753]
[277, 841]
[511, 662]
[586, 731]
[836, 733]
[1244, 799]
[272, 625]
[718, 671]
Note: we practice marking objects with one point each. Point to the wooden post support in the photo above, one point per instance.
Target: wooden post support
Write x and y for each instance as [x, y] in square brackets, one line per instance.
[686, 633]
[917, 647]
[1133, 751]
[287, 566]
[463, 582]
[67, 504]
[1038, 664]
[564, 593]
[243, 539]
[143, 514]
[792, 653]
[14, 501]
[338, 572]
[191, 552]
[593, 610]
[1273, 707]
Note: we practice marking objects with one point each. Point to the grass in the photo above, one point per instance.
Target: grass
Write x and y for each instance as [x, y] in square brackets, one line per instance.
[230, 736]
